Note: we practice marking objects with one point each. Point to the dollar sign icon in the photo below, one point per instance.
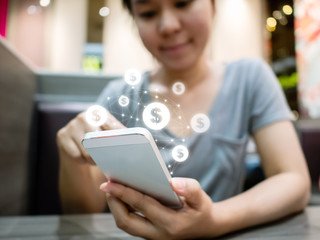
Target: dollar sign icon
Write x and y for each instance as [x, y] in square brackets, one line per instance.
[180, 153]
[96, 115]
[132, 77]
[178, 88]
[123, 101]
[156, 113]
[200, 123]
[156, 116]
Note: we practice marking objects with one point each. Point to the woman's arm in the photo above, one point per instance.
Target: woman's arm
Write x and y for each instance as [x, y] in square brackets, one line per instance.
[79, 186]
[79, 177]
[286, 189]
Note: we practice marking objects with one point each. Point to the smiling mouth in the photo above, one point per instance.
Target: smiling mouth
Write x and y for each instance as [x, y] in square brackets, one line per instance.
[175, 48]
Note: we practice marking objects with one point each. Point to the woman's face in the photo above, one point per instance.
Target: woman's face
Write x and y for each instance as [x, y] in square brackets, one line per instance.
[174, 31]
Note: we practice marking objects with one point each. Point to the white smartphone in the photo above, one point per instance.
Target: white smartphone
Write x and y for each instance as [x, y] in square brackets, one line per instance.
[130, 156]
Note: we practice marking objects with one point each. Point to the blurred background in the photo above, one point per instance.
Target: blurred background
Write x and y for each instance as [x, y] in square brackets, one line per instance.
[57, 55]
[98, 36]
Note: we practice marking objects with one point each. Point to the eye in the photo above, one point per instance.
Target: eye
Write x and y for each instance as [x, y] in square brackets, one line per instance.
[148, 14]
[182, 4]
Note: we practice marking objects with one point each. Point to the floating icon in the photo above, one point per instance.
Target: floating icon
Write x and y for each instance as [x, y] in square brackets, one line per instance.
[156, 116]
[132, 77]
[180, 153]
[96, 115]
[178, 88]
[123, 101]
[200, 123]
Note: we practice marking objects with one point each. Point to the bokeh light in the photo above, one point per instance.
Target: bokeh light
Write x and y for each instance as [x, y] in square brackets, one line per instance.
[277, 14]
[104, 11]
[32, 9]
[44, 3]
[271, 22]
[287, 9]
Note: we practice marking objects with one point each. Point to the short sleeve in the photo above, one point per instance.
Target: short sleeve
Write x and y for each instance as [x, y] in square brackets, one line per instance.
[268, 103]
[112, 89]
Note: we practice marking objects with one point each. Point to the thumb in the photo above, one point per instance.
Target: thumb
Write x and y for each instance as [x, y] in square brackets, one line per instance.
[188, 188]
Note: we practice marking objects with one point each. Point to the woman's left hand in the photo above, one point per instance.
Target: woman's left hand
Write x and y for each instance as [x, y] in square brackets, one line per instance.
[195, 219]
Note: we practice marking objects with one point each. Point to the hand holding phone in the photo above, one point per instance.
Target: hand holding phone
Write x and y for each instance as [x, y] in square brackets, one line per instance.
[130, 156]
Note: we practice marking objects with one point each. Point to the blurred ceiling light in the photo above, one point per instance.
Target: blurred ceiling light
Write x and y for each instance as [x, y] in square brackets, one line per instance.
[104, 11]
[271, 22]
[277, 14]
[44, 3]
[32, 9]
[287, 9]
[283, 21]
[270, 29]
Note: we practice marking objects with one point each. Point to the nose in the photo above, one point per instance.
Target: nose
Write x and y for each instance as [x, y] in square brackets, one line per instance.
[169, 22]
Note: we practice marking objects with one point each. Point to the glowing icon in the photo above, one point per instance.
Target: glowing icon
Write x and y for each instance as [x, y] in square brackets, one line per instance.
[104, 11]
[132, 77]
[123, 101]
[180, 153]
[200, 123]
[178, 88]
[44, 3]
[156, 116]
[96, 115]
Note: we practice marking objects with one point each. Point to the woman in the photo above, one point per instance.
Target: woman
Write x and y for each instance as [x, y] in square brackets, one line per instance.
[240, 98]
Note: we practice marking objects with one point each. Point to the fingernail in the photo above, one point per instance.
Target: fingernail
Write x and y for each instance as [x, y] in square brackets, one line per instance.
[179, 184]
[103, 187]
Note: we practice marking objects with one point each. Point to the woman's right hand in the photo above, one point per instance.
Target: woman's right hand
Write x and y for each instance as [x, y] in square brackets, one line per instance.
[69, 137]
[79, 178]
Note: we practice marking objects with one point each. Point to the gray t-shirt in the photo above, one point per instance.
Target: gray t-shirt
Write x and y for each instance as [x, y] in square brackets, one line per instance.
[249, 99]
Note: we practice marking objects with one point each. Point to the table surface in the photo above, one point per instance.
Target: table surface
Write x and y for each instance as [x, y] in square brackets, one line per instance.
[305, 225]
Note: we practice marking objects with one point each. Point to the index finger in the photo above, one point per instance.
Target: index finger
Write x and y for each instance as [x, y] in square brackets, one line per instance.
[148, 206]
[111, 123]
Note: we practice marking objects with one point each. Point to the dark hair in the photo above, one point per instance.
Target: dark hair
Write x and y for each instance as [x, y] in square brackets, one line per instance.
[127, 5]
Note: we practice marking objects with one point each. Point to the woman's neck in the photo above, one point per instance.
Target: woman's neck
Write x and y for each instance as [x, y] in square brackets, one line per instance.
[190, 77]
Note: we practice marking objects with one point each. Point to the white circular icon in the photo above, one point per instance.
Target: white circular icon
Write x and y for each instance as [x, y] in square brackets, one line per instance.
[180, 153]
[96, 115]
[178, 88]
[123, 101]
[132, 77]
[156, 116]
[200, 123]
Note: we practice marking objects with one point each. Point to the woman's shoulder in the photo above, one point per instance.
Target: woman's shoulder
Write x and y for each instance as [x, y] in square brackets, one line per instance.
[248, 71]
[248, 64]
